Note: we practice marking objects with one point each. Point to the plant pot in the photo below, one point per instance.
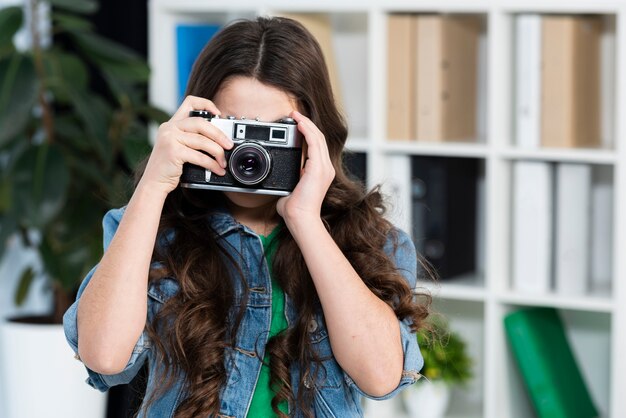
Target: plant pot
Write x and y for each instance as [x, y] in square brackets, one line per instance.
[41, 376]
[427, 399]
[380, 409]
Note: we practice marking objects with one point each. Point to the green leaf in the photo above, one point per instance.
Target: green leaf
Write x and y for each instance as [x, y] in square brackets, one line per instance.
[5, 197]
[154, 114]
[40, 183]
[12, 151]
[99, 48]
[24, 285]
[76, 6]
[63, 68]
[11, 20]
[135, 149]
[67, 249]
[71, 133]
[89, 172]
[18, 92]
[120, 190]
[70, 23]
[135, 71]
[8, 227]
[94, 114]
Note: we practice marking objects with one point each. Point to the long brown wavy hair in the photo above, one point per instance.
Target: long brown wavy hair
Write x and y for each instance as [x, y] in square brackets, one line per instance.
[281, 53]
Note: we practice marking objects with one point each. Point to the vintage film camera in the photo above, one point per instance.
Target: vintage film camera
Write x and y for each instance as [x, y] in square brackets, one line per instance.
[266, 157]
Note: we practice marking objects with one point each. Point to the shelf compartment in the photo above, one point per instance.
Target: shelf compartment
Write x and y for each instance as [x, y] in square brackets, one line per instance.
[561, 231]
[468, 320]
[562, 85]
[589, 336]
[448, 213]
[436, 77]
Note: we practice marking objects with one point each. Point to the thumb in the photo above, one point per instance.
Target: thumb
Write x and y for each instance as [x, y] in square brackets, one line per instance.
[280, 205]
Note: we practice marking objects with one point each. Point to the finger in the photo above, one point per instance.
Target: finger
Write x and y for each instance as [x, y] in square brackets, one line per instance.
[200, 142]
[206, 128]
[314, 137]
[194, 103]
[202, 160]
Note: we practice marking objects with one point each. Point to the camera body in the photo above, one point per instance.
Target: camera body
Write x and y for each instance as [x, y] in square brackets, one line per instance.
[266, 157]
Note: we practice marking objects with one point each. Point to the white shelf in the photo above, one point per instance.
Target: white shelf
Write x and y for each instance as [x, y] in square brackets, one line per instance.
[475, 304]
[469, 288]
[591, 156]
[583, 303]
[358, 144]
[448, 149]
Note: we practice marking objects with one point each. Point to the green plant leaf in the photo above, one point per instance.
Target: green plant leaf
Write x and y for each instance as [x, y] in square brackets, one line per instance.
[71, 23]
[135, 71]
[135, 149]
[65, 265]
[18, 92]
[40, 183]
[67, 250]
[76, 6]
[94, 114]
[71, 133]
[5, 197]
[8, 227]
[445, 353]
[99, 48]
[63, 68]
[11, 20]
[23, 285]
[154, 114]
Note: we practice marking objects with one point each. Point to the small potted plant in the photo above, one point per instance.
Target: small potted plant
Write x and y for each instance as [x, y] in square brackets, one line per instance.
[446, 364]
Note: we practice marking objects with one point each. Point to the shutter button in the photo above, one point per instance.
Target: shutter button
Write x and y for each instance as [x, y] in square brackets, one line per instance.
[312, 326]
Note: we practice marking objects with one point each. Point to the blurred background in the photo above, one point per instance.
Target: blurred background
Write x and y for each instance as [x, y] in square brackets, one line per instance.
[494, 129]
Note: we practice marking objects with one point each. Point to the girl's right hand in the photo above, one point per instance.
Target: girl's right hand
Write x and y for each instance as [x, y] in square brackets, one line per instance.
[181, 140]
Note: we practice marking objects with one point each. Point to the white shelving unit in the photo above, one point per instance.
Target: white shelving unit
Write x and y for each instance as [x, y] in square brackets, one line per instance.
[477, 304]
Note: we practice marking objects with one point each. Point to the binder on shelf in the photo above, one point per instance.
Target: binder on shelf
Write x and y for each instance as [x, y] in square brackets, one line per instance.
[446, 87]
[573, 215]
[444, 193]
[532, 226]
[397, 186]
[355, 164]
[190, 39]
[401, 61]
[547, 364]
[608, 82]
[528, 80]
[571, 86]
[601, 231]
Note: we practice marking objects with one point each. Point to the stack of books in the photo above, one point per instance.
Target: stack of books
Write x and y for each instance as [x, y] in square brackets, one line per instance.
[562, 228]
[432, 77]
[558, 81]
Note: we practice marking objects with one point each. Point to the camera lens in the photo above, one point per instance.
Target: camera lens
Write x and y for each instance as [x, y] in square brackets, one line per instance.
[250, 163]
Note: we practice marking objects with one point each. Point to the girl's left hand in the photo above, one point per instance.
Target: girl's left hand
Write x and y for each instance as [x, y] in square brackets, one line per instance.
[305, 202]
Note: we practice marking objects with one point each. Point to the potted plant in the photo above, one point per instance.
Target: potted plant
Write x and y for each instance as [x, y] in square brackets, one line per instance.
[446, 364]
[74, 123]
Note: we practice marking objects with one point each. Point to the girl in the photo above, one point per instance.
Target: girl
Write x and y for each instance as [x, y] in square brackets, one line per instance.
[248, 305]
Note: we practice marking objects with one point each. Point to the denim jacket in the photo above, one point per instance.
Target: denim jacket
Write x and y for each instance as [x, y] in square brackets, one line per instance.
[335, 393]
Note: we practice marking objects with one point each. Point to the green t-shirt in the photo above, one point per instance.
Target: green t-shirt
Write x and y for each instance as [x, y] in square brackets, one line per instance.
[261, 405]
